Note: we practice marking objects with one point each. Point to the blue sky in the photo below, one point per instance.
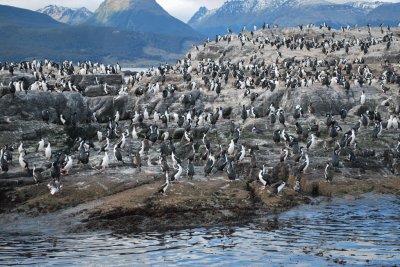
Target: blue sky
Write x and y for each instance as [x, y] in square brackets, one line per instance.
[182, 9]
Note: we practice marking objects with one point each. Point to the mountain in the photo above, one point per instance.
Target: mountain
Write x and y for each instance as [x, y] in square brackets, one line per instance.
[385, 13]
[67, 15]
[288, 13]
[140, 16]
[366, 6]
[27, 34]
[10, 16]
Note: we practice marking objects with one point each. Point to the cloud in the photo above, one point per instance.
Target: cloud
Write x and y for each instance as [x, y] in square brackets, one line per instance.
[35, 5]
[184, 9]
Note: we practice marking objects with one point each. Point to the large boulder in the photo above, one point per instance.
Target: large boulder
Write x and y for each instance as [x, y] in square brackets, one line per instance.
[30, 106]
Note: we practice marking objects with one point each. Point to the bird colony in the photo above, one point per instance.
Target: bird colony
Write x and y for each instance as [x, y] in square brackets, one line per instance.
[272, 107]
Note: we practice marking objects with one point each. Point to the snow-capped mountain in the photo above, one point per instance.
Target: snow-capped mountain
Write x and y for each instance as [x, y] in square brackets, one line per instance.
[238, 13]
[203, 12]
[67, 15]
[367, 6]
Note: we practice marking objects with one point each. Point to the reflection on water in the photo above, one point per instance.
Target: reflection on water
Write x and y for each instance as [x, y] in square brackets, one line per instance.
[360, 232]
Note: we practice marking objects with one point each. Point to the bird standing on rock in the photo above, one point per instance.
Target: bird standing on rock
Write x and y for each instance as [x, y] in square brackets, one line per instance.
[177, 174]
[190, 170]
[3, 163]
[164, 187]
[231, 148]
[264, 178]
[209, 165]
[231, 172]
[118, 154]
[47, 152]
[40, 146]
[67, 166]
[328, 172]
[22, 162]
[37, 175]
[105, 161]
[244, 113]
[362, 98]
[276, 188]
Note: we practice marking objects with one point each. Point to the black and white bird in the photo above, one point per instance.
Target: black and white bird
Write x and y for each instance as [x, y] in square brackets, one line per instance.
[328, 172]
[137, 161]
[311, 143]
[47, 151]
[62, 119]
[231, 147]
[118, 154]
[206, 142]
[236, 135]
[105, 161]
[164, 187]
[178, 172]
[298, 112]
[68, 166]
[37, 175]
[22, 162]
[209, 165]
[377, 131]
[384, 88]
[3, 162]
[362, 98]
[280, 188]
[175, 160]
[190, 169]
[276, 188]
[106, 146]
[244, 113]
[304, 166]
[242, 153]
[276, 136]
[284, 154]
[188, 136]
[264, 178]
[335, 158]
[221, 162]
[281, 117]
[343, 114]
[40, 146]
[299, 129]
[20, 148]
[231, 172]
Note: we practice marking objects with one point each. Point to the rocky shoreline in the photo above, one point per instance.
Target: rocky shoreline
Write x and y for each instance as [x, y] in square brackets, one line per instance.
[138, 209]
[124, 198]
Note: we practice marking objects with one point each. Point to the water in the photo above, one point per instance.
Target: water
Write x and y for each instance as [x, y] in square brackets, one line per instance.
[361, 232]
[135, 69]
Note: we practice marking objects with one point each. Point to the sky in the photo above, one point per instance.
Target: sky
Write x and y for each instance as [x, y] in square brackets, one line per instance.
[182, 9]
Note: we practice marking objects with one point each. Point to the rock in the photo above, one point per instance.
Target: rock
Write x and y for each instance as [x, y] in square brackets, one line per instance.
[105, 107]
[34, 103]
[89, 80]
[178, 133]
[95, 90]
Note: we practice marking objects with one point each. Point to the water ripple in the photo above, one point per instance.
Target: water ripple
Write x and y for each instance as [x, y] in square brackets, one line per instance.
[362, 232]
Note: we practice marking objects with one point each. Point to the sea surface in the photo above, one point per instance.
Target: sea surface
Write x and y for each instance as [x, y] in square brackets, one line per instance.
[362, 231]
[133, 69]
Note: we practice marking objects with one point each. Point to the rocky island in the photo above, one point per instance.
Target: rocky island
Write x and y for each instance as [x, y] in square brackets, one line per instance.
[248, 123]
